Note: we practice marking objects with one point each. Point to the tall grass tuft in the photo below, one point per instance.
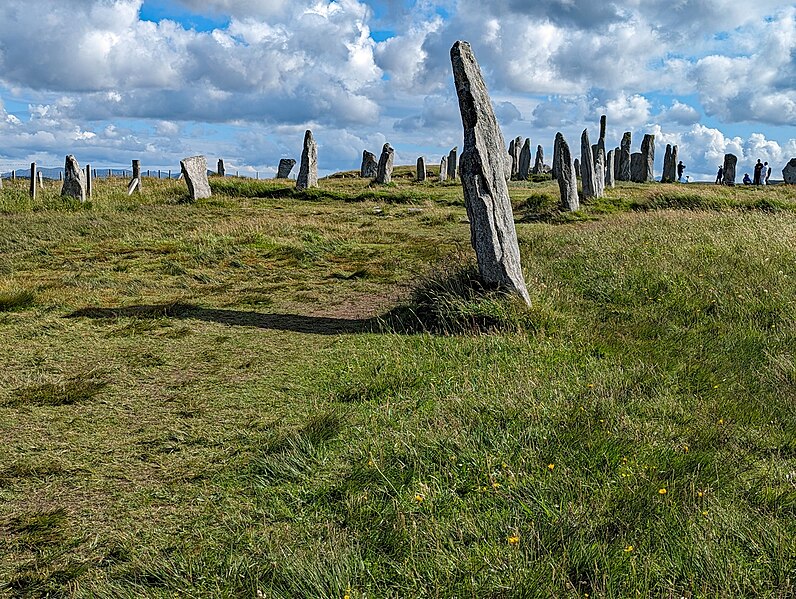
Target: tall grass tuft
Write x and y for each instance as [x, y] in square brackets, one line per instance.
[16, 300]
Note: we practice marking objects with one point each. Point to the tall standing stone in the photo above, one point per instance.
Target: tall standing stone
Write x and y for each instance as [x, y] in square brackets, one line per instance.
[421, 169]
[89, 182]
[194, 171]
[285, 166]
[616, 164]
[789, 172]
[567, 181]
[538, 165]
[576, 164]
[625, 158]
[675, 157]
[369, 165]
[587, 167]
[667, 166]
[384, 170]
[453, 163]
[636, 168]
[648, 158]
[33, 183]
[308, 171]
[515, 167]
[525, 161]
[556, 155]
[730, 164]
[483, 170]
[220, 170]
[74, 182]
[443, 169]
[610, 168]
[598, 155]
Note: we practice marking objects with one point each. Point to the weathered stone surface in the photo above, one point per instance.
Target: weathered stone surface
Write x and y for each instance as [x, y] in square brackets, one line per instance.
[453, 163]
[789, 172]
[610, 168]
[369, 165]
[576, 164]
[515, 167]
[515, 157]
[730, 164]
[616, 164]
[421, 169]
[525, 161]
[220, 170]
[675, 158]
[538, 164]
[587, 167]
[483, 169]
[74, 180]
[308, 171]
[443, 169]
[648, 158]
[194, 171]
[625, 166]
[636, 168]
[567, 181]
[598, 155]
[384, 170]
[669, 168]
[285, 166]
[89, 182]
[556, 154]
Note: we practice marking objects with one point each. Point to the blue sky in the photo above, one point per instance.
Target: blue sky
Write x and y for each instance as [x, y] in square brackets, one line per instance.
[160, 80]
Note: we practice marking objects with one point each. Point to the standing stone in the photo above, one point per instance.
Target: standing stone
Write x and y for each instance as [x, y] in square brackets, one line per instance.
[308, 171]
[515, 167]
[421, 169]
[603, 123]
[730, 164]
[525, 161]
[221, 170]
[285, 166]
[636, 168]
[616, 164]
[567, 181]
[667, 176]
[33, 186]
[587, 167]
[369, 165]
[483, 170]
[74, 180]
[576, 165]
[625, 158]
[598, 155]
[610, 168]
[384, 170]
[556, 154]
[648, 158]
[89, 182]
[789, 172]
[538, 165]
[674, 162]
[443, 169]
[453, 163]
[194, 171]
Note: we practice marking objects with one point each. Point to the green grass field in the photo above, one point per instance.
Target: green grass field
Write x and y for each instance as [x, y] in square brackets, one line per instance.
[284, 394]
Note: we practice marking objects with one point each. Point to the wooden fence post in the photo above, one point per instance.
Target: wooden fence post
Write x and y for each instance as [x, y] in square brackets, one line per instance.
[89, 182]
[32, 180]
[136, 175]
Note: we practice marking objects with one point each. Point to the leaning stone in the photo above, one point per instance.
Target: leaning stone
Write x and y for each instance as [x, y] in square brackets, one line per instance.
[538, 165]
[730, 164]
[648, 158]
[421, 169]
[443, 169]
[285, 166]
[587, 167]
[453, 163]
[525, 161]
[610, 167]
[567, 181]
[74, 180]
[194, 170]
[384, 170]
[625, 158]
[636, 168]
[369, 165]
[308, 171]
[789, 172]
[483, 169]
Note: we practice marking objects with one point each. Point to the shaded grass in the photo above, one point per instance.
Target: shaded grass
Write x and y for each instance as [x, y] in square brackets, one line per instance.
[78, 389]
[16, 300]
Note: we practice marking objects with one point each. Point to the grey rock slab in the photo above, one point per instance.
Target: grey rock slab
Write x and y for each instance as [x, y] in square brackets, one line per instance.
[453, 163]
[384, 170]
[610, 168]
[194, 171]
[525, 161]
[483, 169]
[648, 158]
[538, 164]
[74, 180]
[308, 171]
[625, 158]
[789, 172]
[730, 164]
[636, 168]
[576, 164]
[567, 181]
[421, 169]
[369, 165]
[443, 169]
[668, 171]
[285, 166]
[587, 167]
[556, 154]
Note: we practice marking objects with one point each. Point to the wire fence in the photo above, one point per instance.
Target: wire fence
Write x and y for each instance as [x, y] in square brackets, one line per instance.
[57, 173]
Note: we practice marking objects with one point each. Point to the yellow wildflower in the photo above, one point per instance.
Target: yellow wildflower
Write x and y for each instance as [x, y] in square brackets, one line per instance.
[513, 540]
[629, 548]
[662, 491]
[419, 497]
[551, 466]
